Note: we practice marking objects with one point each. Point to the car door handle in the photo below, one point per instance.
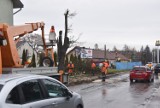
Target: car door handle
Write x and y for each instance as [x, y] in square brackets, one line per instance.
[54, 103]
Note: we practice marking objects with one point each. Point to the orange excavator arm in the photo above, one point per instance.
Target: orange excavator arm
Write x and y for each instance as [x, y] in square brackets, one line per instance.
[8, 54]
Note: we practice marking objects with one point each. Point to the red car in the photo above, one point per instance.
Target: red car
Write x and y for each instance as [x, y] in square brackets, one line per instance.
[141, 73]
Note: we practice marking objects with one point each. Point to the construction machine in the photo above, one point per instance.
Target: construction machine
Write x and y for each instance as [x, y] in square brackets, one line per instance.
[9, 57]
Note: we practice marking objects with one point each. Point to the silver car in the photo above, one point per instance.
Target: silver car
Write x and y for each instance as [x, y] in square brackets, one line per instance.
[36, 91]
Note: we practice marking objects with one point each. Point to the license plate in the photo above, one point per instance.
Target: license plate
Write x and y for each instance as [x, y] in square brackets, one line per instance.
[138, 73]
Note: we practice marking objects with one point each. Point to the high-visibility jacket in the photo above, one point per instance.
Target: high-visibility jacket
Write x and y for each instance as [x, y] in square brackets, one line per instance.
[70, 67]
[106, 64]
[52, 30]
[93, 66]
[149, 65]
[104, 67]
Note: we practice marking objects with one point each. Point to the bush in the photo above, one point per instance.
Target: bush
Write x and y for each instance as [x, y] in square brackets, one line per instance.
[33, 62]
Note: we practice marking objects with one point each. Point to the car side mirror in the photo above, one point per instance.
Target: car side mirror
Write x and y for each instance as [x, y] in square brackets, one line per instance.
[68, 94]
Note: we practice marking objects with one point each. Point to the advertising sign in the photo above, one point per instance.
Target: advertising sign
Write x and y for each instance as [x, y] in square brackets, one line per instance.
[86, 53]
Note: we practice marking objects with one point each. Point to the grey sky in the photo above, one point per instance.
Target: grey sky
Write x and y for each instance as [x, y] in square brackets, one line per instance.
[110, 22]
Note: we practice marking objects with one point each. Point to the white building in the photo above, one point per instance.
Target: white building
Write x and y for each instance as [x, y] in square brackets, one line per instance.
[23, 45]
[7, 8]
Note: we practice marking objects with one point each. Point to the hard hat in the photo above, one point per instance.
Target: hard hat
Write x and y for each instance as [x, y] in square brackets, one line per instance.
[52, 29]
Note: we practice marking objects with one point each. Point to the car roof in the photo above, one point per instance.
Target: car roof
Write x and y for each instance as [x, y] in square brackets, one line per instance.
[146, 67]
[10, 77]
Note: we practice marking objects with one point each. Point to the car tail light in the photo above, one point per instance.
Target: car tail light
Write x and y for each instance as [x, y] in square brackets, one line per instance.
[145, 73]
[131, 72]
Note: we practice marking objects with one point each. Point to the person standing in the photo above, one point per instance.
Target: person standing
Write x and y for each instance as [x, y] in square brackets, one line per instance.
[104, 70]
[107, 65]
[93, 68]
[150, 65]
[70, 67]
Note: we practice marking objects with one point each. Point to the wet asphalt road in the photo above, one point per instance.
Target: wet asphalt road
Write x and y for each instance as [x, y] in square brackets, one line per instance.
[118, 92]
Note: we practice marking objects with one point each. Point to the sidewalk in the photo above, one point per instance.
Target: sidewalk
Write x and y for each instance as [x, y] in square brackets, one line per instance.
[154, 99]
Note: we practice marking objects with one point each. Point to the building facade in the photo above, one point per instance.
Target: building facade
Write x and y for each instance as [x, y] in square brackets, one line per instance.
[7, 8]
[96, 55]
[23, 45]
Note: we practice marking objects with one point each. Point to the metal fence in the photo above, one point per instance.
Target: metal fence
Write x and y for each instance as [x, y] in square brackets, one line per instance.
[126, 65]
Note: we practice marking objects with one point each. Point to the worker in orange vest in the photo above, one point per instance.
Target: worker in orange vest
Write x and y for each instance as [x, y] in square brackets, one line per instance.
[150, 65]
[93, 68]
[52, 35]
[70, 67]
[52, 29]
[104, 69]
[107, 65]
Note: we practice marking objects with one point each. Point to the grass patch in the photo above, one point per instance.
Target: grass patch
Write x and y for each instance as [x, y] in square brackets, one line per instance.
[112, 71]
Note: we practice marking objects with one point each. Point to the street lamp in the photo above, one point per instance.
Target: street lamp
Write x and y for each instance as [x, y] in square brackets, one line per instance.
[157, 44]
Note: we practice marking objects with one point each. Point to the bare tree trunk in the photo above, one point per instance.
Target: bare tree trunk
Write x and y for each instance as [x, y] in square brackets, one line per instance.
[62, 49]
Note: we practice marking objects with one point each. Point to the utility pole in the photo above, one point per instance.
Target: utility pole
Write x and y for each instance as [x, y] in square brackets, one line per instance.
[105, 53]
[157, 54]
[157, 44]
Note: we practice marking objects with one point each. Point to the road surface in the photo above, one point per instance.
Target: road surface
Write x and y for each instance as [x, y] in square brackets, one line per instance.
[118, 92]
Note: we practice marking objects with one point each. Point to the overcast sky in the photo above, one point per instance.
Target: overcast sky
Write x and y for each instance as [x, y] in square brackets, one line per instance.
[110, 22]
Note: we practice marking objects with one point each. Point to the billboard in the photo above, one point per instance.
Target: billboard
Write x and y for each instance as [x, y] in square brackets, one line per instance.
[86, 53]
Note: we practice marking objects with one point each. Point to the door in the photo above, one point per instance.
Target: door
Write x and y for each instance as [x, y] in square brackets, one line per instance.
[33, 95]
[57, 95]
[13, 99]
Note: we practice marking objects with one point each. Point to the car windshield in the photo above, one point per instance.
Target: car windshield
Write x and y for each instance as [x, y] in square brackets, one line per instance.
[139, 69]
[1, 86]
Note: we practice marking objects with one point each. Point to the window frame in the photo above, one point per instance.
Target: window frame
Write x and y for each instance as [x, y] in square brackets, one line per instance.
[46, 91]
[1, 87]
[22, 93]
[139, 69]
[19, 96]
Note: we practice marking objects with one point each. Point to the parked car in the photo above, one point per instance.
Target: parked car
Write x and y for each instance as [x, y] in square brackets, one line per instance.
[157, 69]
[36, 91]
[141, 73]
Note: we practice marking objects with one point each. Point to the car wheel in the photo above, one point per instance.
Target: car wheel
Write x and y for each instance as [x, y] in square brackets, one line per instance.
[131, 80]
[156, 73]
[79, 106]
[149, 80]
[152, 79]
[103, 80]
[47, 62]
